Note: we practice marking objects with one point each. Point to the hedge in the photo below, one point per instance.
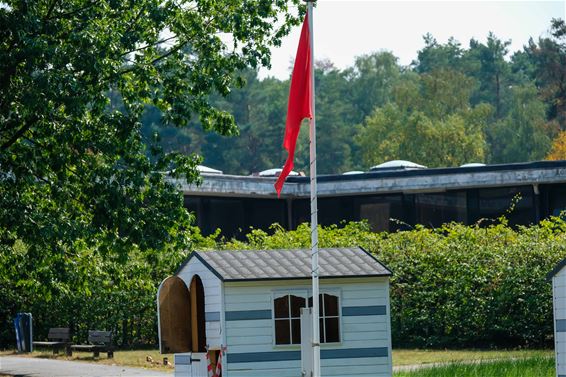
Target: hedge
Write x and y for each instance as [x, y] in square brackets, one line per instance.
[455, 286]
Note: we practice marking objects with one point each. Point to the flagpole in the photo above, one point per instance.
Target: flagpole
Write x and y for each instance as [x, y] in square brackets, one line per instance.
[314, 210]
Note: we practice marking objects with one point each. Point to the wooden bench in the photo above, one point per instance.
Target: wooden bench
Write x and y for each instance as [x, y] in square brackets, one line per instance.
[98, 341]
[58, 337]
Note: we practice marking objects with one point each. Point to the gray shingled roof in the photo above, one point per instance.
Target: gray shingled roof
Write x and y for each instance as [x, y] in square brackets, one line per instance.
[239, 265]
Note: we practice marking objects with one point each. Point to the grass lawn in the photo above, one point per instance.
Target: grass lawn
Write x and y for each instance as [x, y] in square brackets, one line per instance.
[134, 358]
[416, 356]
[530, 367]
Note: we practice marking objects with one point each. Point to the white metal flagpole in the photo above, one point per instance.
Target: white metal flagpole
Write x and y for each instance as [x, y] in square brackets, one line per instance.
[314, 211]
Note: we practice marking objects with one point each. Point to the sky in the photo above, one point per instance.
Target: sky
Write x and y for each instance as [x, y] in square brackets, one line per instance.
[344, 29]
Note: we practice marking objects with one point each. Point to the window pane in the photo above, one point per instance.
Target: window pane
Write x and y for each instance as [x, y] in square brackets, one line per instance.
[330, 305]
[320, 308]
[296, 330]
[281, 305]
[282, 332]
[433, 210]
[332, 330]
[296, 304]
[321, 324]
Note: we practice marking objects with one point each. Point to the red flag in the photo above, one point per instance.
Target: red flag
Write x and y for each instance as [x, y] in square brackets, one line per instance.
[300, 101]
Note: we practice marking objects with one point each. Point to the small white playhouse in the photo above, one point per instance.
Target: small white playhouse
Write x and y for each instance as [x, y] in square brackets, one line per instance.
[244, 308]
[558, 277]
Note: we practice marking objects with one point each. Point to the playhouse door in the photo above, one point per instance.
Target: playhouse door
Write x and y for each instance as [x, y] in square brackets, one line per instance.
[191, 365]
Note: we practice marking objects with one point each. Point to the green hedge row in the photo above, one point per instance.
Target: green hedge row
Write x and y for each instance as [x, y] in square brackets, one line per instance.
[456, 286]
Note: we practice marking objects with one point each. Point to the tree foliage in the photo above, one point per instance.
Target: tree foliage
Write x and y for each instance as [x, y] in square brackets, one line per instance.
[430, 122]
[461, 100]
[455, 286]
[558, 149]
[525, 128]
[548, 57]
[86, 207]
[76, 77]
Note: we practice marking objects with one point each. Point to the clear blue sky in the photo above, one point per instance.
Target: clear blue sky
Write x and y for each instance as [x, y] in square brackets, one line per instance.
[345, 29]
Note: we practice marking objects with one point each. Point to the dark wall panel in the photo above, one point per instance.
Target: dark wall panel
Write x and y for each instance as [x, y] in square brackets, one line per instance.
[235, 216]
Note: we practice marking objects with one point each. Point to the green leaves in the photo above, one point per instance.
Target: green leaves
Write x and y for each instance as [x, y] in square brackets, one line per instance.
[81, 188]
[436, 127]
[456, 286]
[79, 163]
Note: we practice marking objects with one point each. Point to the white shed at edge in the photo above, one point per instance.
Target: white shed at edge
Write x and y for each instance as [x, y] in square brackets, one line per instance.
[558, 276]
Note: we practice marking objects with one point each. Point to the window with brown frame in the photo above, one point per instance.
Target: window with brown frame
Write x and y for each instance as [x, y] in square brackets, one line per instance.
[287, 316]
[329, 315]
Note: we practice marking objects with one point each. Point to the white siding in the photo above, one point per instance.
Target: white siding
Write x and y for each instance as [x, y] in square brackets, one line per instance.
[559, 293]
[357, 331]
[212, 297]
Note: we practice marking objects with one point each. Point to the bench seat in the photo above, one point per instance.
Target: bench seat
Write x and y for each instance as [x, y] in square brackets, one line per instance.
[99, 341]
[58, 337]
[49, 344]
[87, 347]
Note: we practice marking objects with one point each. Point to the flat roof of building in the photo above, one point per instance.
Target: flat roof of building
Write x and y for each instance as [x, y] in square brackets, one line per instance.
[383, 182]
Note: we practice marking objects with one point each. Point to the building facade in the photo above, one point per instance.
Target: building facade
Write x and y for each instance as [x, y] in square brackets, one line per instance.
[389, 200]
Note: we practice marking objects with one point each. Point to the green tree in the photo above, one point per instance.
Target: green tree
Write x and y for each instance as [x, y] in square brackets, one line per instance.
[89, 222]
[259, 109]
[390, 133]
[373, 77]
[336, 113]
[73, 166]
[549, 61]
[435, 55]
[492, 71]
[524, 134]
[431, 122]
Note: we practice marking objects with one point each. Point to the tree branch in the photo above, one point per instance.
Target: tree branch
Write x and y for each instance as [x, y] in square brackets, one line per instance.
[78, 10]
[134, 21]
[16, 136]
[50, 10]
[149, 45]
[168, 53]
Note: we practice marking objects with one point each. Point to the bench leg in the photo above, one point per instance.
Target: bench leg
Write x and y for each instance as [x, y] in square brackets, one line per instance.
[110, 354]
[69, 351]
[96, 353]
[55, 350]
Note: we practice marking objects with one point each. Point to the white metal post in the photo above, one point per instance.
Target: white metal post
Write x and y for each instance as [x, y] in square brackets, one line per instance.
[306, 343]
[314, 211]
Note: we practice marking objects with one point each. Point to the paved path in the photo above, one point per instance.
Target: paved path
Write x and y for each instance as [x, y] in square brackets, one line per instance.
[35, 367]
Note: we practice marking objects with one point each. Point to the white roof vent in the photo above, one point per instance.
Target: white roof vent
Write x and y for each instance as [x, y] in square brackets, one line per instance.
[353, 172]
[275, 173]
[397, 165]
[472, 165]
[206, 170]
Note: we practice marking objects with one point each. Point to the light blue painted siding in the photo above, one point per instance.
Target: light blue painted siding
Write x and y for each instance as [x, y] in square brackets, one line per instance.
[366, 328]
